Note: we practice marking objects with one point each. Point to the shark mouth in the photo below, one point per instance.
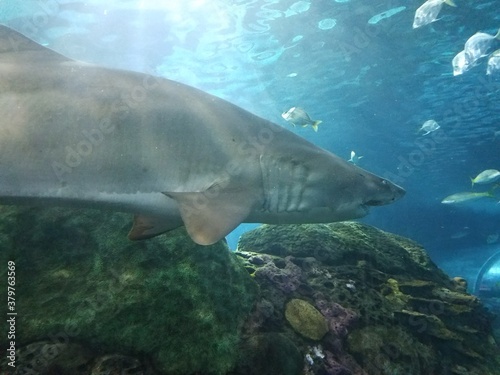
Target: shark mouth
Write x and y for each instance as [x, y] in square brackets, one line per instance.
[374, 202]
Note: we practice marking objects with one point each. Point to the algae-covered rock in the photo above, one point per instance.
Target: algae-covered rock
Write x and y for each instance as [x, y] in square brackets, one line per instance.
[79, 279]
[389, 309]
[392, 350]
[344, 243]
[269, 354]
[305, 319]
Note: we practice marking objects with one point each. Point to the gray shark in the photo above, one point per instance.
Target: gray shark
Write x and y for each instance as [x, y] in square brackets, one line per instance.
[76, 134]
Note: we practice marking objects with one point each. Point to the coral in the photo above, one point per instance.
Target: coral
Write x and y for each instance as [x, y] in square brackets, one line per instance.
[281, 272]
[389, 309]
[340, 319]
[391, 350]
[460, 284]
[305, 319]
[333, 367]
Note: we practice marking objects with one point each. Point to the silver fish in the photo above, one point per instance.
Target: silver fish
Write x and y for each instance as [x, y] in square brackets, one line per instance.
[428, 12]
[429, 126]
[493, 63]
[461, 63]
[297, 116]
[479, 45]
[465, 197]
[487, 176]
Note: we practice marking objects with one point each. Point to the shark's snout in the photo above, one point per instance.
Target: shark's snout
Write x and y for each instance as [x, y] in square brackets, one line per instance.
[387, 193]
[399, 192]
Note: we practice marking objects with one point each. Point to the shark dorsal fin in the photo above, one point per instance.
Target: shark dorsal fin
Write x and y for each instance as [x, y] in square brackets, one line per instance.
[12, 41]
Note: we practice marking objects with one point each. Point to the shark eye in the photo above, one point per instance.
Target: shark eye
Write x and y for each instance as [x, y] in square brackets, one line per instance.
[384, 182]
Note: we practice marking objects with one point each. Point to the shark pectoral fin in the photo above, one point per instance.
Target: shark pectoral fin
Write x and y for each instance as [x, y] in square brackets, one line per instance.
[145, 227]
[209, 218]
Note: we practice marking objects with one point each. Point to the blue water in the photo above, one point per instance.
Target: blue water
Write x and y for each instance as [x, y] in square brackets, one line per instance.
[357, 65]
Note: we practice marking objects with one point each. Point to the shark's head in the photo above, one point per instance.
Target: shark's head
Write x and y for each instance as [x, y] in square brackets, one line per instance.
[348, 193]
[322, 188]
[377, 191]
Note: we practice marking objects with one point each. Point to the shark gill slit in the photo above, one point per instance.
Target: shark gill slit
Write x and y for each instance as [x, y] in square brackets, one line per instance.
[284, 184]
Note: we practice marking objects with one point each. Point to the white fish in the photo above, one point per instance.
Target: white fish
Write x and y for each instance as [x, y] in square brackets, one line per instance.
[297, 116]
[460, 234]
[429, 126]
[460, 64]
[354, 159]
[479, 45]
[486, 177]
[493, 62]
[492, 238]
[465, 197]
[388, 13]
[429, 11]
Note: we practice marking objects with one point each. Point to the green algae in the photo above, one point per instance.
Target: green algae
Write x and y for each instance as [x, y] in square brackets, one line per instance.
[305, 319]
[80, 279]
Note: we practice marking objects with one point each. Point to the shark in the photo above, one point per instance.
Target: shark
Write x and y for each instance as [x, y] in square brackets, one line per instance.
[80, 135]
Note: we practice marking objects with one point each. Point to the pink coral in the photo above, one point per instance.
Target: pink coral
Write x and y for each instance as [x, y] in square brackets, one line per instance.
[283, 273]
[340, 319]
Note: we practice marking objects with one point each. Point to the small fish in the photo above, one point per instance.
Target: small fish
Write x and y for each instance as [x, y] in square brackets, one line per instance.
[493, 62]
[460, 63]
[354, 159]
[479, 45]
[428, 127]
[297, 116]
[466, 196]
[492, 238]
[486, 177]
[429, 11]
[460, 234]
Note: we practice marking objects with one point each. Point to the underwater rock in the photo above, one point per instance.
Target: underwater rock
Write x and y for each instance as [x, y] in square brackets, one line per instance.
[80, 280]
[116, 364]
[344, 243]
[166, 306]
[340, 319]
[460, 284]
[392, 350]
[280, 271]
[389, 309]
[269, 354]
[305, 319]
[50, 357]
